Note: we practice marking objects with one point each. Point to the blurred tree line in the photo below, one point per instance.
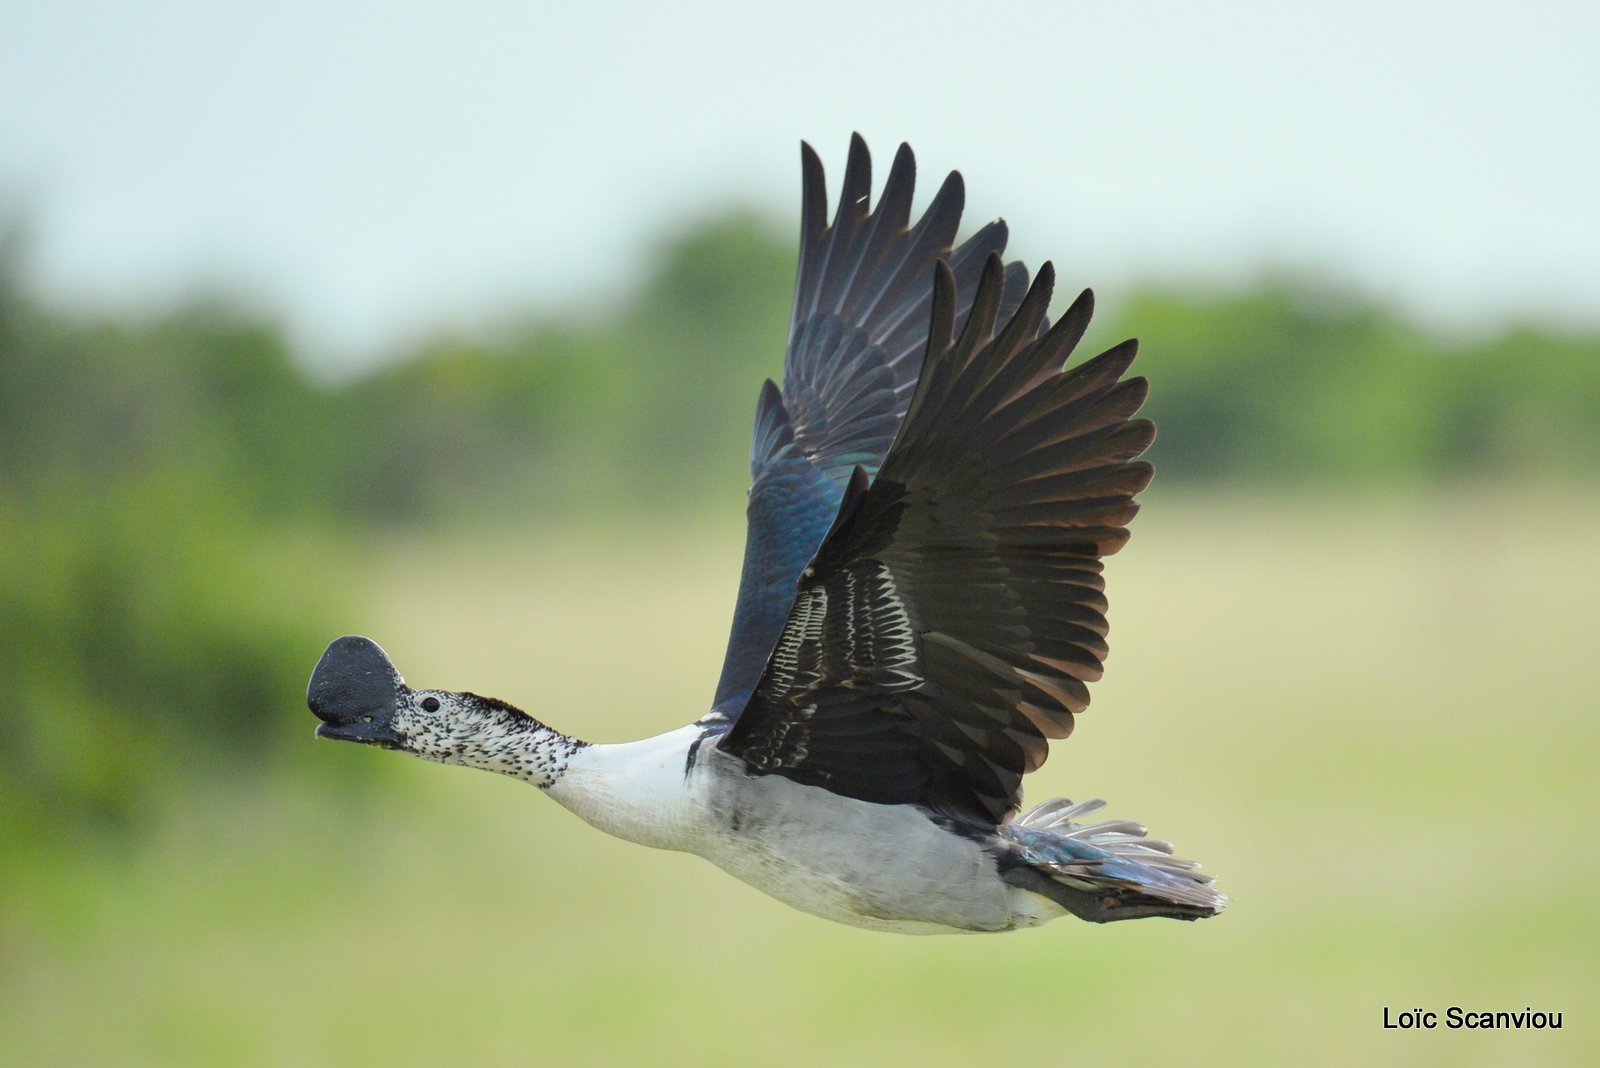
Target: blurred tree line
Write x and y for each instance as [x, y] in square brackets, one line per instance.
[166, 480]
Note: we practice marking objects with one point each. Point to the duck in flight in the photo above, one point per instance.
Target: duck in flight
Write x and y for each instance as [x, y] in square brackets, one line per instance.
[920, 612]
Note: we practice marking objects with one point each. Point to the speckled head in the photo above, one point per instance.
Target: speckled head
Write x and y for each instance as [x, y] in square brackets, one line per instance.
[360, 697]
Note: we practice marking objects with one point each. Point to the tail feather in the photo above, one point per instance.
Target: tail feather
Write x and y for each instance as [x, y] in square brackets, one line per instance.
[1106, 870]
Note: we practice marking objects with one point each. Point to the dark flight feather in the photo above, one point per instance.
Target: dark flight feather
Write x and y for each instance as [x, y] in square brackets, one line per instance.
[954, 614]
[863, 294]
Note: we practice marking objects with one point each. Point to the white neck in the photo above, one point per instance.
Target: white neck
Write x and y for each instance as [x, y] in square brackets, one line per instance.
[640, 791]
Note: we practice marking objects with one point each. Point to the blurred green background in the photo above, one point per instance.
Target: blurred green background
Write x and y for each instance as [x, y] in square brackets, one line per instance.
[1353, 673]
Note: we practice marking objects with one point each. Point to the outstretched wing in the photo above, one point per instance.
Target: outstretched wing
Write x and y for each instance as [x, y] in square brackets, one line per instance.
[860, 326]
[953, 615]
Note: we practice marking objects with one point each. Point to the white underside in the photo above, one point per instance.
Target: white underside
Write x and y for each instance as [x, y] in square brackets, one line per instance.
[885, 867]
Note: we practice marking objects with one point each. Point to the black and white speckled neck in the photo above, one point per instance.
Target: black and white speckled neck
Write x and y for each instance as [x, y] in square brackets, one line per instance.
[482, 732]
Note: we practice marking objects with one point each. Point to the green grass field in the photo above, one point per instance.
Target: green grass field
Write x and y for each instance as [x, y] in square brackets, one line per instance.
[1374, 719]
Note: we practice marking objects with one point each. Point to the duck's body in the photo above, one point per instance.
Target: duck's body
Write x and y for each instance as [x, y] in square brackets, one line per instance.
[887, 867]
[920, 608]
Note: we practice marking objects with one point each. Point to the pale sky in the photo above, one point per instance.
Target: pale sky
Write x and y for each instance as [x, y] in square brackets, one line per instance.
[376, 170]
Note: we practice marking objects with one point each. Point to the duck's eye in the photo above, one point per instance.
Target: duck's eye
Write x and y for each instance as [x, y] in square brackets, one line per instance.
[430, 704]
